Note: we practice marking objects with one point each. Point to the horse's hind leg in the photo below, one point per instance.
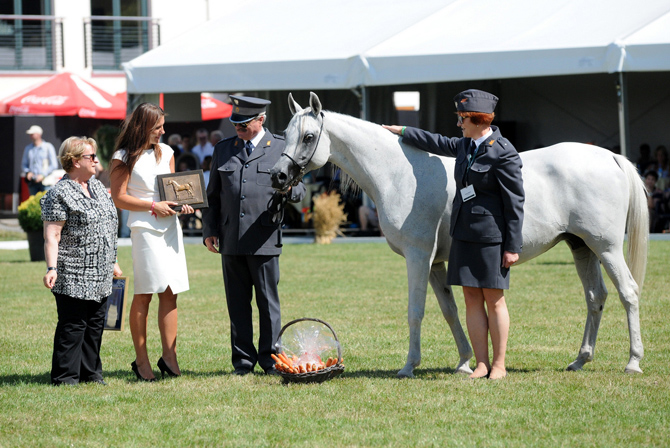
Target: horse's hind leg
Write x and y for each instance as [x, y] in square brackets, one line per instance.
[588, 268]
[629, 293]
[445, 297]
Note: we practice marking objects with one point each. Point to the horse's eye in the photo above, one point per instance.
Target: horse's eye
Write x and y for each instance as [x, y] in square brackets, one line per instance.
[308, 138]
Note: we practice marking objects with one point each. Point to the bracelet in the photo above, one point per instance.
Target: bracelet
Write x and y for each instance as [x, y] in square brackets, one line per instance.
[402, 131]
[153, 212]
[51, 268]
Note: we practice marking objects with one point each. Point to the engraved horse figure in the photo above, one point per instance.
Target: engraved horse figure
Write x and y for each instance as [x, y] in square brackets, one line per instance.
[182, 187]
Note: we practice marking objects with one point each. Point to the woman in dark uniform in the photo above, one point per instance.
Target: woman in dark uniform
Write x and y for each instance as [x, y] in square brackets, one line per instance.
[486, 220]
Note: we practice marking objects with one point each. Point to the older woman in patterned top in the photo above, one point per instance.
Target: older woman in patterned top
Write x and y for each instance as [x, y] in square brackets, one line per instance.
[80, 226]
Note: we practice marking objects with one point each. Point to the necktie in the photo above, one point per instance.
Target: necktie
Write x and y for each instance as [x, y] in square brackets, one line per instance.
[249, 147]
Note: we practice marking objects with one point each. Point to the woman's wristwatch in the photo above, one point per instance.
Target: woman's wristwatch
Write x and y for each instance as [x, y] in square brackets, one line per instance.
[51, 268]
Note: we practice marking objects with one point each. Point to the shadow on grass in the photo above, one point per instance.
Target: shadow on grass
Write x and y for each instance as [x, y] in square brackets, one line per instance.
[13, 380]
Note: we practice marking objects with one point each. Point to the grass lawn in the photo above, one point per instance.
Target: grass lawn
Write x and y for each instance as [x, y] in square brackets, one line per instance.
[361, 290]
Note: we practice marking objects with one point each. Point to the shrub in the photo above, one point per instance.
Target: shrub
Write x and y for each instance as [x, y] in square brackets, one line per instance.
[30, 213]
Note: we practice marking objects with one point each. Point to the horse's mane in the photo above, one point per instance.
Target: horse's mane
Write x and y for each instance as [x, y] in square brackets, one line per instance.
[347, 184]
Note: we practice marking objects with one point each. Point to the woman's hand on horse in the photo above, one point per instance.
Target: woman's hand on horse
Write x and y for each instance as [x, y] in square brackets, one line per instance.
[393, 128]
[509, 258]
[187, 209]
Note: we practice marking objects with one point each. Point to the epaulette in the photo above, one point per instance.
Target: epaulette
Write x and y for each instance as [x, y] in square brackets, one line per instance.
[279, 136]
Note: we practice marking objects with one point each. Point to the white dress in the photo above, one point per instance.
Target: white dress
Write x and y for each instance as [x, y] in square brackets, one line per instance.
[159, 260]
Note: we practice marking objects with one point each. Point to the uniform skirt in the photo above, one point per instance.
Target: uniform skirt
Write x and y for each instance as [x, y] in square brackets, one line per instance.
[159, 260]
[478, 265]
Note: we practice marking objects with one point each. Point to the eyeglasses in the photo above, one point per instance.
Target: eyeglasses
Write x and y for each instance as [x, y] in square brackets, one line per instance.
[245, 124]
[93, 157]
[461, 119]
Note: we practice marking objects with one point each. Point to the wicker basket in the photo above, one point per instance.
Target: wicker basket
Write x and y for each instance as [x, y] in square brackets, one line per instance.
[320, 375]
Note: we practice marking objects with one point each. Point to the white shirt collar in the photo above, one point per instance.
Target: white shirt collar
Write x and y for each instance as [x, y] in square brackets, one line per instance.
[481, 139]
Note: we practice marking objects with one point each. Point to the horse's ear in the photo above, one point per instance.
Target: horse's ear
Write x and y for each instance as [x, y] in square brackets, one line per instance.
[292, 105]
[314, 103]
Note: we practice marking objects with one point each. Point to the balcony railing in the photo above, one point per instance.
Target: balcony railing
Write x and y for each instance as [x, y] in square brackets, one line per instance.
[111, 40]
[30, 42]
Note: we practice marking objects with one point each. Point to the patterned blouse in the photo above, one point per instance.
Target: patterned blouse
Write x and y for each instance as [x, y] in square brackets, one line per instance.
[87, 248]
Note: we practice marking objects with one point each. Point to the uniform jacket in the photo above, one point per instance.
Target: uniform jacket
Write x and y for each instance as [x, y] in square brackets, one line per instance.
[495, 215]
[239, 191]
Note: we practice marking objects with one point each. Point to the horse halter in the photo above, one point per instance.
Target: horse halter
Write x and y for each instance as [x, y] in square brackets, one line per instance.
[302, 168]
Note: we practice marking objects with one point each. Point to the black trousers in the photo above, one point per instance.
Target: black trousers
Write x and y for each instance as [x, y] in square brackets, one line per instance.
[76, 355]
[241, 275]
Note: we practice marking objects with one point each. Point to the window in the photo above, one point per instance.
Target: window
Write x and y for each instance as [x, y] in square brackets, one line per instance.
[119, 30]
[30, 38]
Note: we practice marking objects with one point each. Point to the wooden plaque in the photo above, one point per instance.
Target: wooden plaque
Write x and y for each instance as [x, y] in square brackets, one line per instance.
[185, 187]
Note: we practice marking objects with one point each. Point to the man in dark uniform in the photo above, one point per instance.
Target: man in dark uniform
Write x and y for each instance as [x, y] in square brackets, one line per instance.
[243, 223]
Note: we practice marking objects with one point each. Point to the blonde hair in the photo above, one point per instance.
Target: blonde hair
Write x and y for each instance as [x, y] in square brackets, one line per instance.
[72, 149]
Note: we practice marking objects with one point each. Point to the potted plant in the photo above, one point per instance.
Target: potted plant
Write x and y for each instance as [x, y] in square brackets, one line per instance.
[30, 220]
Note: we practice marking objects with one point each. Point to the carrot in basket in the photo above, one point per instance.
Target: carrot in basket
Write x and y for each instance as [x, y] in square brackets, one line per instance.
[275, 357]
[284, 358]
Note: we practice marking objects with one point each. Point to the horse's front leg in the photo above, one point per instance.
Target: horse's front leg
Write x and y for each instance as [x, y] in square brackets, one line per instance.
[418, 267]
[445, 298]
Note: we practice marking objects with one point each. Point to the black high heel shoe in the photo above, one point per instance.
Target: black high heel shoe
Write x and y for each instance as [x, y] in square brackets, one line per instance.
[137, 372]
[165, 369]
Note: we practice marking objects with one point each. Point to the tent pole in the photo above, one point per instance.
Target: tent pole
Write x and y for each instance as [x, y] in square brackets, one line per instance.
[362, 94]
[624, 125]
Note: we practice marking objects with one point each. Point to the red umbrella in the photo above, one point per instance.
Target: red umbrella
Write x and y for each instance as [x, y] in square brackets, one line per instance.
[66, 94]
[210, 108]
[213, 109]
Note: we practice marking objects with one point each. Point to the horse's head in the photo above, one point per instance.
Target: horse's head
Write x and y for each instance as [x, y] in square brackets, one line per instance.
[306, 145]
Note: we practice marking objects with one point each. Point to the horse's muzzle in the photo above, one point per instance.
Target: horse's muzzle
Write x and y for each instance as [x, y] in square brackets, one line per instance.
[280, 180]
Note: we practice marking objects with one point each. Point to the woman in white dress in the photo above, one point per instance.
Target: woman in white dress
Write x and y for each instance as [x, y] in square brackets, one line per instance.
[159, 262]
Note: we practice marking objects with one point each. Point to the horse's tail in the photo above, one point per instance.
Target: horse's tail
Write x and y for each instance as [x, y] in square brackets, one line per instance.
[637, 222]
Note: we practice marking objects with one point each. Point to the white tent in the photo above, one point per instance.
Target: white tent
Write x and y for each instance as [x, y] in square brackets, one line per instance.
[648, 49]
[302, 44]
[490, 39]
[276, 45]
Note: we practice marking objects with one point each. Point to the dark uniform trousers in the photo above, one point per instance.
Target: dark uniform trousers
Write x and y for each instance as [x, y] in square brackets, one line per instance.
[241, 273]
[76, 355]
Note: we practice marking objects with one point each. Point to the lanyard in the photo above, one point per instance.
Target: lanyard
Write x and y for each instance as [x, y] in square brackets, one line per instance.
[470, 162]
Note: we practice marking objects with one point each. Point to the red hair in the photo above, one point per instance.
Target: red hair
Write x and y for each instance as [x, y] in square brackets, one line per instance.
[478, 118]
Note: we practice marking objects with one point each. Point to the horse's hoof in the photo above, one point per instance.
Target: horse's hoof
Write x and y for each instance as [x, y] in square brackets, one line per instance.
[463, 369]
[633, 368]
[575, 366]
[405, 374]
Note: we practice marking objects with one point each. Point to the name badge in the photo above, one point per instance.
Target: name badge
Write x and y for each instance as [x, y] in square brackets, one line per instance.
[468, 193]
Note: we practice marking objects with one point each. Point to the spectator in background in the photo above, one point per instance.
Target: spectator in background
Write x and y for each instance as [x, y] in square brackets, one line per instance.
[215, 137]
[663, 167]
[186, 143]
[39, 160]
[174, 140]
[645, 159]
[206, 167]
[203, 148]
[654, 198]
[367, 214]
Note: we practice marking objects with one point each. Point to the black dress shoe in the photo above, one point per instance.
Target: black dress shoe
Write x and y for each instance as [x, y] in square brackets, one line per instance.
[162, 365]
[133, 365]
[271, 371]
[241, 371]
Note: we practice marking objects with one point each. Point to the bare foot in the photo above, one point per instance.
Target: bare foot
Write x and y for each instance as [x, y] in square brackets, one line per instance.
[497, 373]
[145, 371]
[481, 371]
